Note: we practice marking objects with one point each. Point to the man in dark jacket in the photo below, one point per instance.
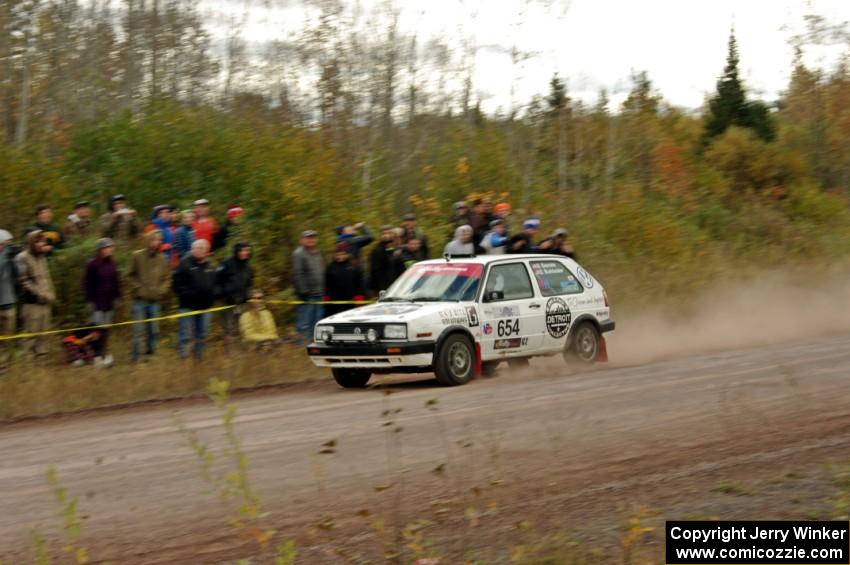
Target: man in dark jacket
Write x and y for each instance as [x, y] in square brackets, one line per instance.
[556, 244]
[385, 261]
[412, 253]
[343, 281]
[524, 242]
[194, 284]
[233, 280]
[408, 223]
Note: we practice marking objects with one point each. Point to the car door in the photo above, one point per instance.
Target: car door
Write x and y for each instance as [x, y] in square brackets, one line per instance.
[511, 313]
[561, 293]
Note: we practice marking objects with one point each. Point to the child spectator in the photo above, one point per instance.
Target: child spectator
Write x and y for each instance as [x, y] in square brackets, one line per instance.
[257, 324]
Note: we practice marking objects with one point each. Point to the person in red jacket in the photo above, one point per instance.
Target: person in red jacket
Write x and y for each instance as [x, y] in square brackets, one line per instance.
[205, 226]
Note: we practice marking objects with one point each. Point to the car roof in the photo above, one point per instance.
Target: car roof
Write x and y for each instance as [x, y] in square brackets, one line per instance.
[487, 259]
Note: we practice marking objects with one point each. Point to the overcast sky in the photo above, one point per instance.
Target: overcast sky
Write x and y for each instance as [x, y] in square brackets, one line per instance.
[596, 44]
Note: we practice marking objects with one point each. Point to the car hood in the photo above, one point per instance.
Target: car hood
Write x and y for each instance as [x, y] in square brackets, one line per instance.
[389, 312]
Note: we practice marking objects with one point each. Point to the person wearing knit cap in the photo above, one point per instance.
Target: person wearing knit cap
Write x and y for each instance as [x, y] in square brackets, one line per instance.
[494, 240]
[343, 281]
[37, 294]
[8, 298]
[232, 228]
[524, 242]
[102, 287]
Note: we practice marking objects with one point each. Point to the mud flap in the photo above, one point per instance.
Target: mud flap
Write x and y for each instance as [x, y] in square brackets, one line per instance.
[476, 372]
[602, 357]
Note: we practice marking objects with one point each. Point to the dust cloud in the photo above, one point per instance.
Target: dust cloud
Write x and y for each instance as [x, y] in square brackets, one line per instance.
[761, 309]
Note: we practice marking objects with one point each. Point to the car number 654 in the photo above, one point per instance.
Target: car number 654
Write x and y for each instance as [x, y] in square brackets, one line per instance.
[507, 328]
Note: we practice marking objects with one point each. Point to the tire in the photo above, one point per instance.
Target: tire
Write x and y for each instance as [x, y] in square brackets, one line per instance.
[488, 368]
[518, 363]
[584, 344]
[351, 378]
[454, 363]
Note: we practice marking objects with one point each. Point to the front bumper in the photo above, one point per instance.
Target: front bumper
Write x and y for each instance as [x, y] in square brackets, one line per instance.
[372, 356]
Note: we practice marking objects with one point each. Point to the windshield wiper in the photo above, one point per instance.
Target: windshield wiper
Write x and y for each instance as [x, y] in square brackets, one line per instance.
[434, 299]
[395, 299]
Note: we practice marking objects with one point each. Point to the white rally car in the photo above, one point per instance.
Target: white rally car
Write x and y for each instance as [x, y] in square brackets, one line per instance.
[460, 317]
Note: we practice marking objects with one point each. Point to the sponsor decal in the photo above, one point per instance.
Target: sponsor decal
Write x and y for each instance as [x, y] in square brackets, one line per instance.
[511, 343]
[454, 269]
[472, 314]
[603, 314]
[586, 301]
[585, 277]
[454, 317]
[558, 317]
[502, 312]
[488, 329]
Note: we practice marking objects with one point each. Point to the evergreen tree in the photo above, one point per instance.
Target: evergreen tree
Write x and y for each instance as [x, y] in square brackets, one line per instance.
[729, 106]
[557, 98]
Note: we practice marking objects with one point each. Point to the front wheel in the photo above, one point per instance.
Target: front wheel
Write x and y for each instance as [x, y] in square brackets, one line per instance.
[455, 361]
[351, 378]
[585, 344]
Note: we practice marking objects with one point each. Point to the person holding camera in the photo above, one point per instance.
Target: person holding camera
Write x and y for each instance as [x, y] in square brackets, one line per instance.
[120, 223]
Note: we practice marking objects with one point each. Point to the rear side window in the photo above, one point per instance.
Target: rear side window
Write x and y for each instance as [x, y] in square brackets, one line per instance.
[554, 279]
[512, 280]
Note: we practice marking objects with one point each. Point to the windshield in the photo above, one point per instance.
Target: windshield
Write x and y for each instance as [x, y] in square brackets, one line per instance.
[449, 282]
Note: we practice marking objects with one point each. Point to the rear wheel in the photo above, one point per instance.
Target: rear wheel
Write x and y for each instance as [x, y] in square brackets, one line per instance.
[351, 378]
[585, 344]
[455, 361]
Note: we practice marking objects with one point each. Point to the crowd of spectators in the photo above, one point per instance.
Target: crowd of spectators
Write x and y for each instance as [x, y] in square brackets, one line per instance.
[175, 257]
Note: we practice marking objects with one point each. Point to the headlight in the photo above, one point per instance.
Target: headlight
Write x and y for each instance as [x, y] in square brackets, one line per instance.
[395, 331]
[324, 333]
[372, 335]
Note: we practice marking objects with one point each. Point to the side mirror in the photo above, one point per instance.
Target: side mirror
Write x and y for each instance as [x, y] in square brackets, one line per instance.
[382, 294]
[494, 295]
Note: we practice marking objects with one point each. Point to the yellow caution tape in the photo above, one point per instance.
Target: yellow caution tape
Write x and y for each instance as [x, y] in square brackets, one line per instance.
[173, 317]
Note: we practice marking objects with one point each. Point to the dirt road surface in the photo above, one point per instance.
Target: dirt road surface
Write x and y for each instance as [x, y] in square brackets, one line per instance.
[548, 449]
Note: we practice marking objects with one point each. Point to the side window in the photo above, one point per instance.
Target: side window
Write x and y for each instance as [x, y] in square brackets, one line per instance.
[554, 279]
[512, 280]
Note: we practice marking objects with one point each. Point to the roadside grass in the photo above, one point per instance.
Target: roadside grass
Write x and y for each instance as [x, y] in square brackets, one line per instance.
[734, 488]
[57, 388]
